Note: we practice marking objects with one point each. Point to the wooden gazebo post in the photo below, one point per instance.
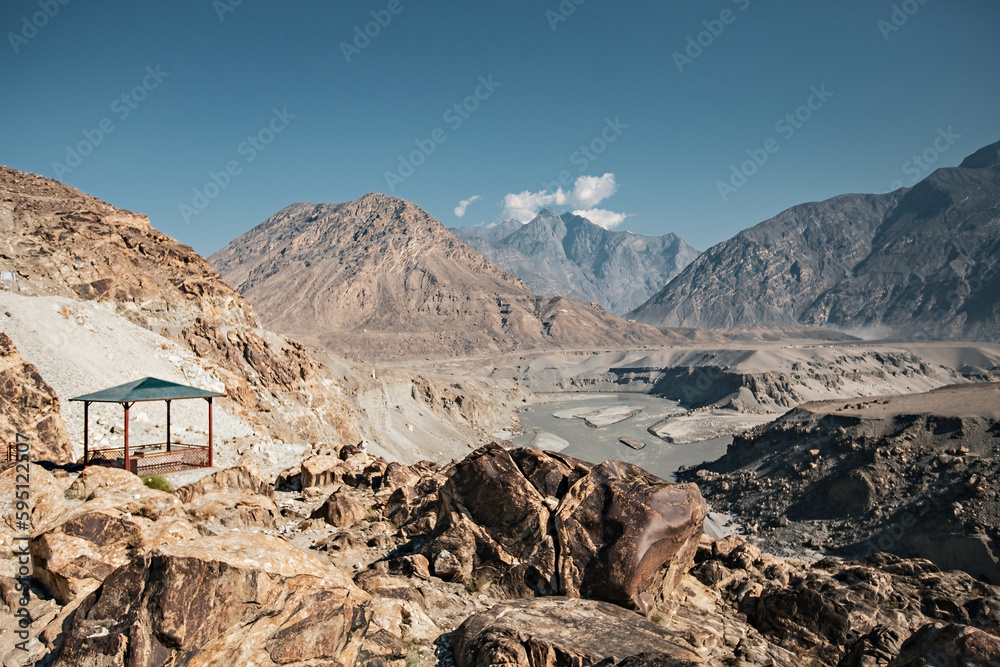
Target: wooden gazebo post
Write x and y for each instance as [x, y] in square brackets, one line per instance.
[211, 447]
[128, 465]
[168, 425]
[86, 432]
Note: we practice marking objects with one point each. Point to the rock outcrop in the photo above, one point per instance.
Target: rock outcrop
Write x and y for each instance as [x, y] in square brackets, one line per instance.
[536, 523]
[235, 600]
[30, 406]
[548, 632]
[914, 475]
[850, 614]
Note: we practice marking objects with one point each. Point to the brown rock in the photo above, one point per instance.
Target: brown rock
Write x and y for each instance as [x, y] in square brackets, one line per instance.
[233, 600]
[399, 476]
[31, 407]
[340, 510]
[627, 536]
[547, 632]
[498, 525]
[324, 471]
[89, 542]
[236, 509]
[47, 503]
[93, 478]
[551, 474]
[246, 478]
[621, 534]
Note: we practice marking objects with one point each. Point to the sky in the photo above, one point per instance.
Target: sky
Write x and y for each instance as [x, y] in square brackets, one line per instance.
[697, 118]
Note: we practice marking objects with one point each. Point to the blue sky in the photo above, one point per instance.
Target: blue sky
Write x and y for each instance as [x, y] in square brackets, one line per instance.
[211, 116]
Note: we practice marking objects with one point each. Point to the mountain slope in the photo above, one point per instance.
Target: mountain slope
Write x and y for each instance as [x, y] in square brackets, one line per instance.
[379, 277]
[68, 248]
[572, 256]
[921, 262]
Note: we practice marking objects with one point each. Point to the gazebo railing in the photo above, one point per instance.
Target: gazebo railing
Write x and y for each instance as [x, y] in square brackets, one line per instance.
[152, 458]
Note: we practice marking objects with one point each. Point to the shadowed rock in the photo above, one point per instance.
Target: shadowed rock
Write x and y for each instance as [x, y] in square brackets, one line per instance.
[535, 523]
[555, 631]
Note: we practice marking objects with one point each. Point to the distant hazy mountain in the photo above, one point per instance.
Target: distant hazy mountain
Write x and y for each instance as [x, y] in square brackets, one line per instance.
[379, 277]
[919, 262]
[572, 256]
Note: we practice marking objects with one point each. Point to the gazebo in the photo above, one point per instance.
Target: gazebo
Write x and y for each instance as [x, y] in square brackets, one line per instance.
[161, 457]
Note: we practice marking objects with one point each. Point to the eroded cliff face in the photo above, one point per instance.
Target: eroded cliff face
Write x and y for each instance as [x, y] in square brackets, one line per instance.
[30, 407]
[62, 242]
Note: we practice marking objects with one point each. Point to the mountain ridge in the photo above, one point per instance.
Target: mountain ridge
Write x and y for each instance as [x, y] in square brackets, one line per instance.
[917, 262]
[378, 276]
[570, 255]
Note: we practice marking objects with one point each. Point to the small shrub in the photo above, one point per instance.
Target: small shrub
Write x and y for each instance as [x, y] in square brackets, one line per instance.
[135, 541]
[158, 483]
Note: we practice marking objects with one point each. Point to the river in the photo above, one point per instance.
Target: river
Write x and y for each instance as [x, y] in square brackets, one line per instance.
[599, 444]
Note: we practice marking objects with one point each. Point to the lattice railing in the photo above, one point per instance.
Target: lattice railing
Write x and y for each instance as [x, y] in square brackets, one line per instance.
[152, 459]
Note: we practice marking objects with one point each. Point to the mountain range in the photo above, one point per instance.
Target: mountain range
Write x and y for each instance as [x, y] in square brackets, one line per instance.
[920, 262]
[379, 277]
[569, 255]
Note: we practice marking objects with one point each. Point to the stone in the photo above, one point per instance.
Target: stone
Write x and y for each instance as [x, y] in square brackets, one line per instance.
[87, 543]
[340, 510]
[525, 522]
[626, 536]
[234, 600]
[31, 407]
[245, 478]
[546, 632]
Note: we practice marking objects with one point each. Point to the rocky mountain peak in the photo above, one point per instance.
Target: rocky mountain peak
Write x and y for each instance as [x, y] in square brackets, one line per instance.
[380, 275]
[988, 156]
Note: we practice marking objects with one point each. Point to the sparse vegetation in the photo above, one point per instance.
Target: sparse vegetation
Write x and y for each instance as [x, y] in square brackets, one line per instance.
[135, 540]
[157, 482]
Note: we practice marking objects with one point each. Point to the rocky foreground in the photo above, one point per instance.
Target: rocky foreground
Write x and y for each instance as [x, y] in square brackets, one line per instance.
[508, 557]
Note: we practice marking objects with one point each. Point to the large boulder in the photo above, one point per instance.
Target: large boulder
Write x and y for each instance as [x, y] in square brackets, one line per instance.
[45, 506]
[87, 543]
[221, 600]
[340, 509]
[627, 536]
[556, 631]
[245, 478]
[525, 522]
[94, 478]
[493, 519]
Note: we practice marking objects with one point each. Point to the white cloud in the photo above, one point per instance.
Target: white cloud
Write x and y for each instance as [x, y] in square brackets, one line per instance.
[587, 193]
[602, 218]
[464, 204]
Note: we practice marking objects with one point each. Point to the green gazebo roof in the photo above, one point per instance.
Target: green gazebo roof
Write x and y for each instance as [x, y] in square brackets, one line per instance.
[146, 389]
